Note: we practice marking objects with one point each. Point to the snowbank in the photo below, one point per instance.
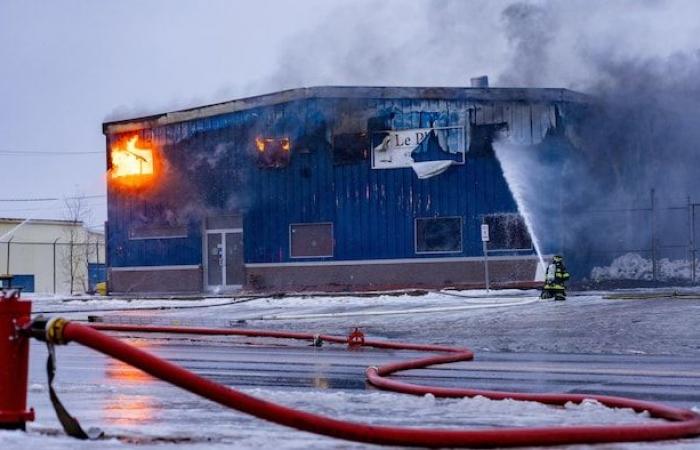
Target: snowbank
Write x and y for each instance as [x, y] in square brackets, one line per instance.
[632, 266]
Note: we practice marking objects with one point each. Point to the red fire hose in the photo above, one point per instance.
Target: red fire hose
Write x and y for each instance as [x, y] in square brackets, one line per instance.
[680, 422]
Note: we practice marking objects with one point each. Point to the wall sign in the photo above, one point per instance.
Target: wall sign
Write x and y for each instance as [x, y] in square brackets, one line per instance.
[429, 151]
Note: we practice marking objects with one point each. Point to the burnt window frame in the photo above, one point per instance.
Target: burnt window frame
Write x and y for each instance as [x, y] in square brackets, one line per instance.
[506, 249]
[277, 141]
[302, 224]
[363, 136]
[438, 252]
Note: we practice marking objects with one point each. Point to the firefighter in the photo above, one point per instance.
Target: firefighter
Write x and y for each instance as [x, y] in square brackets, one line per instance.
[555, 279]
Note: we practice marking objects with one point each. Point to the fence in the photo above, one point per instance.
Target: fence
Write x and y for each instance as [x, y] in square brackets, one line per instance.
[655, 242]
[52, 267]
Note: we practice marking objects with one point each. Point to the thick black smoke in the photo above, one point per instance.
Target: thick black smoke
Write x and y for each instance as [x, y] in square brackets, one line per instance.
[634, 145]
[637, 59]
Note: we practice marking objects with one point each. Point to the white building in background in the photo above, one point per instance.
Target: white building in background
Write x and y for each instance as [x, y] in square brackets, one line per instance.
[51, 256]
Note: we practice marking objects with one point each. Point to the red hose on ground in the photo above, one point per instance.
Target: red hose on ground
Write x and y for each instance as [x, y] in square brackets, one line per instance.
[681, 423]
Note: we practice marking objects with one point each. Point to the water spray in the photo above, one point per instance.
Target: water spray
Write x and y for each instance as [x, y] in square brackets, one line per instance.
[514, 173]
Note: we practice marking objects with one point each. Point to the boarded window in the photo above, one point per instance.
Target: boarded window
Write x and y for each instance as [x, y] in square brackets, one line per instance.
[350, 148]
[309, 240]
[439, 235]
[508, 232]
[273, 153]
[157, 232]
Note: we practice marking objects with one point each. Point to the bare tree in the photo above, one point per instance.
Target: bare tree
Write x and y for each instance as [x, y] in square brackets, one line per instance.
[76, 255]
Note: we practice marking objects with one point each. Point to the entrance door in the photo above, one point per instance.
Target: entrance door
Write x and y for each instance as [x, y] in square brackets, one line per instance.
[224, 259]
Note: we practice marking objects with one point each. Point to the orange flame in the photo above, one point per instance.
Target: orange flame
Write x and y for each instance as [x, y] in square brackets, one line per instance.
[262, 143]
[128, 160]
[284, 142]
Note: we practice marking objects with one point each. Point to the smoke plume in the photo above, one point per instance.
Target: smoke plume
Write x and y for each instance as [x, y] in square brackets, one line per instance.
[638, 61]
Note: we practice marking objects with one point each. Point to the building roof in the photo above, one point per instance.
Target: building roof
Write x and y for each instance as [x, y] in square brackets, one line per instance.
[16, 221]
[487, 94]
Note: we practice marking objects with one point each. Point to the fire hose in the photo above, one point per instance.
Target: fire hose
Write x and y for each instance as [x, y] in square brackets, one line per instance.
[679, 423]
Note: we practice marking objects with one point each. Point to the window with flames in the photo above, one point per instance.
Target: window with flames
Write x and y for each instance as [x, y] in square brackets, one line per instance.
[131, 161]
[273, 153]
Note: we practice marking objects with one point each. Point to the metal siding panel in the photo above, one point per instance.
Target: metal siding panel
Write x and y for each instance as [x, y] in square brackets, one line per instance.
[389, 229]
[373, 210]
[400, 122]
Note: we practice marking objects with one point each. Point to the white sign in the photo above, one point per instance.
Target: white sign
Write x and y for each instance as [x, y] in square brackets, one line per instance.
[484, 232]
[393, 149]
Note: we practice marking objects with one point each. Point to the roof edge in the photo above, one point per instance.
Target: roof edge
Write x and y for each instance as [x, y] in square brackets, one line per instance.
[17, 221]
[274, 98]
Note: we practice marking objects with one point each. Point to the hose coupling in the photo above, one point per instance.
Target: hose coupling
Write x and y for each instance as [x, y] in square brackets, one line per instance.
[49, 330]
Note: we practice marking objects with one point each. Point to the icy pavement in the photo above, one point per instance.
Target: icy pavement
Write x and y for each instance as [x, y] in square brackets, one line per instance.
[643, 348]
[504, 321]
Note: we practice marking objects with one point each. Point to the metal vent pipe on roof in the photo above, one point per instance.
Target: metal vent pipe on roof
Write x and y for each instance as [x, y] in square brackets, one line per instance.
[480, 82]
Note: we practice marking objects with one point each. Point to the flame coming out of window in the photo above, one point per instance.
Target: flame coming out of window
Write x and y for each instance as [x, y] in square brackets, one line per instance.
[273, 153]
[267, 144]
[129, 160]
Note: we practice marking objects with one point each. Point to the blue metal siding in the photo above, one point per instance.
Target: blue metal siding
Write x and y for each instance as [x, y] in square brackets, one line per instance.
[211, 169]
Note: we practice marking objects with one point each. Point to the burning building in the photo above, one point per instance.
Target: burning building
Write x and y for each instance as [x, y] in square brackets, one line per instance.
[323, 188]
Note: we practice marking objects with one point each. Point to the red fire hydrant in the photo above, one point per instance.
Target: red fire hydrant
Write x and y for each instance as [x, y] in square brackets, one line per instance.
[14, 360]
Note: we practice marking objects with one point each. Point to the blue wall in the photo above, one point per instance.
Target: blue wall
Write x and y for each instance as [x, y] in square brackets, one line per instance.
[209, 167]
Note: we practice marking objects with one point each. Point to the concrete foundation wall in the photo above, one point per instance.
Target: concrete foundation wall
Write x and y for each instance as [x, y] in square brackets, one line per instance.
[376, 275]
[156, 280]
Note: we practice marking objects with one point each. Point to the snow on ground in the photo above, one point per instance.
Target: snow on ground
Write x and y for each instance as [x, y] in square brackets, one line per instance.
[61, 305]
[224, 427]
[505, 321]
[501, 321]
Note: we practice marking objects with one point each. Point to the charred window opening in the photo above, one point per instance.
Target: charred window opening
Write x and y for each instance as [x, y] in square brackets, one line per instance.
[381, 122]
[273, 153]
[508, 232]
[482, 137]
[158, 220]
[311, 240]
[438, 235]
[350, 148]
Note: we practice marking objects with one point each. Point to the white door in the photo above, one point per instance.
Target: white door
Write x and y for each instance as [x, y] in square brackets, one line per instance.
[224, 259]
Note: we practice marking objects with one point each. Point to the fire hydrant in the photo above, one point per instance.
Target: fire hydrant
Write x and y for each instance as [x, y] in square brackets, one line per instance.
[14, 360]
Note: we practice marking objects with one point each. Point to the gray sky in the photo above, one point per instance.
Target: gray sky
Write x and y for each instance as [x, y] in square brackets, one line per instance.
[66, 66]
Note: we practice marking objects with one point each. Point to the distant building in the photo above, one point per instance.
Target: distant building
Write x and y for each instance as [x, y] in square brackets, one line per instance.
[51, 256]
[323, 188]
